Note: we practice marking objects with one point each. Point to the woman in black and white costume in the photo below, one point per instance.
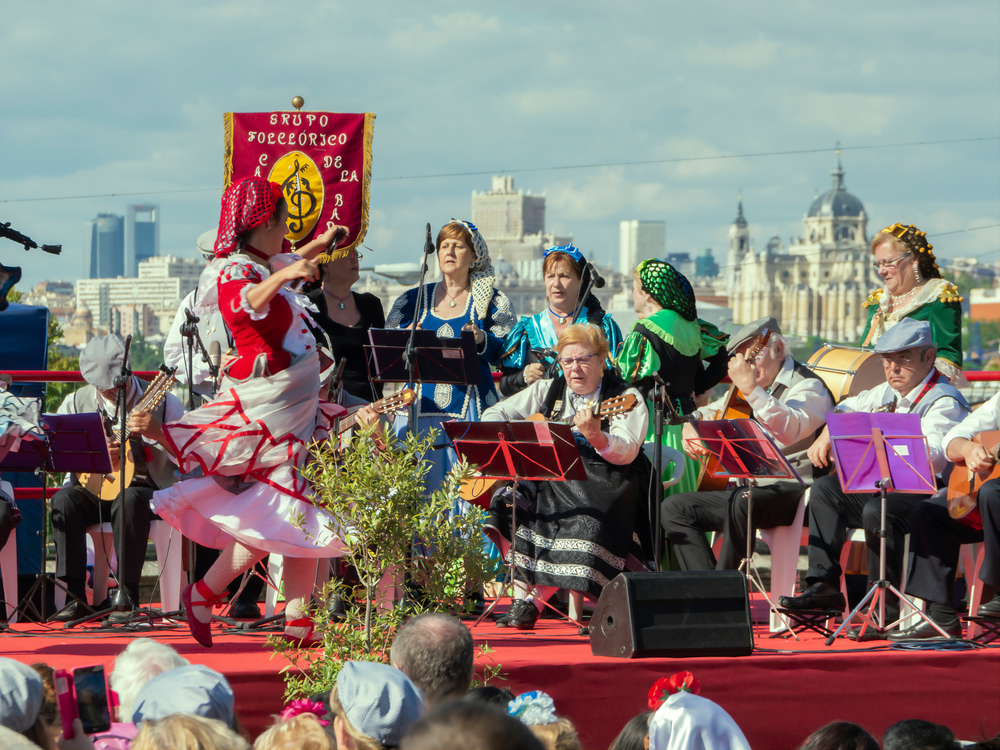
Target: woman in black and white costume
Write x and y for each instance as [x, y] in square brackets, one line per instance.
[576, 535]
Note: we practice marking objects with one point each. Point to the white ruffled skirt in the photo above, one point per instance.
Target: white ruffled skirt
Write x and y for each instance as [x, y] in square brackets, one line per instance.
[249, 443]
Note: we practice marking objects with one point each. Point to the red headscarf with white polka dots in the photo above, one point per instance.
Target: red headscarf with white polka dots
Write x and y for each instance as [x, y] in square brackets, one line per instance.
[246, 204]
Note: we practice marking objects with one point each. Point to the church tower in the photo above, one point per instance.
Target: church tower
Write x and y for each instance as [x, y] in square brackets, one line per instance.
[739, 245]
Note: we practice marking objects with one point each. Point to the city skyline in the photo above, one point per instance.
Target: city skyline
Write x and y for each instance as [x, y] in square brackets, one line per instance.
[661, 94]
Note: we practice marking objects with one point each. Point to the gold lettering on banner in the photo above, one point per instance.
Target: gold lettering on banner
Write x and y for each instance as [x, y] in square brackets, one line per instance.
[302, 185]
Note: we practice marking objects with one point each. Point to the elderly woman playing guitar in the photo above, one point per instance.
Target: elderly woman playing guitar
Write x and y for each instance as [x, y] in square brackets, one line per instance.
[576, 535]
[791, 403]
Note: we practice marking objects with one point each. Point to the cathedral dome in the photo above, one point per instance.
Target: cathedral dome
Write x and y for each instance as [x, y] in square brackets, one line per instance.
[501, 266]
[836, 201]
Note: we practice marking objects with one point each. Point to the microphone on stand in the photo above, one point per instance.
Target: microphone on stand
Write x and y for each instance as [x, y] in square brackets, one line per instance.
[596, 276]
[214, 361]
[428, 243]
[122, 379]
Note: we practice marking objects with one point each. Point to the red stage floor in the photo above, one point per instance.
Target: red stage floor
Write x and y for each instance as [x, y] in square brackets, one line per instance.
[778, 695]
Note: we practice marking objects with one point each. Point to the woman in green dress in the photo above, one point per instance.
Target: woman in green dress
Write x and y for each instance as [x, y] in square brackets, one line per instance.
[914, 289]
[671, 340]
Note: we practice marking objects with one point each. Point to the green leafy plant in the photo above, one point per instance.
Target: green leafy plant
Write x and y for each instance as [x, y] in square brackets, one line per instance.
[412, 553]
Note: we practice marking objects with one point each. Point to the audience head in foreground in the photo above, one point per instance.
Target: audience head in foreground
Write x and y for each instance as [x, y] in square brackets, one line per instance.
[917, 734]
[435, 651]
[187, 732]
[840, 735]
[21, 694]
[304, 731]
[687, 721]
[537, 711]
[634, 734]
[373, 706]
[194, 689]
[142, 660]
[469, 725]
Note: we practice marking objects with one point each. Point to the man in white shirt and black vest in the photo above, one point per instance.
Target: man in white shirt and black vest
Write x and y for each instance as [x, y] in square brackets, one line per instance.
[913, 385]
[74, 508]
[790, 402]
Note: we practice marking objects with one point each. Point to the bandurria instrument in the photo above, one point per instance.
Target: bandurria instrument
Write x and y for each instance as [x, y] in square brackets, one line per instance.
[477, 487]
[964, 485]
[387, 405]
[734, 407]
[107, 486]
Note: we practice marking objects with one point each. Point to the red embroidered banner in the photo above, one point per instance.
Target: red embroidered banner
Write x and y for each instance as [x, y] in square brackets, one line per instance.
[322, 160]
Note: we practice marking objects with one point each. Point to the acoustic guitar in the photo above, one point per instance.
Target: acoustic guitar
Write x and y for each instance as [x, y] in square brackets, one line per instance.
[964, 485]
[107, 486]
[386, 405]
[734, 407]
[477, 487]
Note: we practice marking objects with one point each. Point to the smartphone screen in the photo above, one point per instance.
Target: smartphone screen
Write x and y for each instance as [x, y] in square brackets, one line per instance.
[92, 698]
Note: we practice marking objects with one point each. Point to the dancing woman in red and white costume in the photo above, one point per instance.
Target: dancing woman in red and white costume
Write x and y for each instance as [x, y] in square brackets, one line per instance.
[252, 438]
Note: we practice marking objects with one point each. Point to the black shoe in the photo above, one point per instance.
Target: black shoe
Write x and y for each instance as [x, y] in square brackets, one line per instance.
[818, 596]
[990, 609]
[871, 634]
[924, 631]
[522, 615]
[128, 617]
[72, 611]
[244, 610]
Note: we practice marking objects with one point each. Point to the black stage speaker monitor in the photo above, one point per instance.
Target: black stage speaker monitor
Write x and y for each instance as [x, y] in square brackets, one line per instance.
[681, 613]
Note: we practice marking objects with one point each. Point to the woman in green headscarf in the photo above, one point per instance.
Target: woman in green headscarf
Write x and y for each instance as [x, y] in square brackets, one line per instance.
[671, 340]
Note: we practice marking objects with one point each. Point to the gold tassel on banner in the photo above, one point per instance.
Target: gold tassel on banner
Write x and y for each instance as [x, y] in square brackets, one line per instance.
[227, 145]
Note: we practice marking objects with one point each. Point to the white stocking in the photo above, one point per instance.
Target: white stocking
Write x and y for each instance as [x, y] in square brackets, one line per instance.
[233, 561]
[542, 593]
[299, 575]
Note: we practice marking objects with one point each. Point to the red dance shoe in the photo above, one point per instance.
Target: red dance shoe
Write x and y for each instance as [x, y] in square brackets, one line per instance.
[308, 640]
[202, 631]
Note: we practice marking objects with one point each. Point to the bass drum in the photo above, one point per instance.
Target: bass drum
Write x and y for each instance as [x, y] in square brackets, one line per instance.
[847, 370]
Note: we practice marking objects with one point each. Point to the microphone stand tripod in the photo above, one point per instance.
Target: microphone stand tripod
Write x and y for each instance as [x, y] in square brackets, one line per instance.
[410, 353]
[189, 330]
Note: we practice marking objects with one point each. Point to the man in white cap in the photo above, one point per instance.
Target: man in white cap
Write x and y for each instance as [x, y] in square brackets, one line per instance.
[913, 385]
[74, 508]
[790, 402]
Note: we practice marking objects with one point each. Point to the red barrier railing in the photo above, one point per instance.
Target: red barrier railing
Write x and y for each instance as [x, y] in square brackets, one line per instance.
[61, 376]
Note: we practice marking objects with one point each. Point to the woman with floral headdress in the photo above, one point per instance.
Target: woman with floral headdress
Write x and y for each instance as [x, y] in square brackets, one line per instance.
[250, 441]
[567, 274]
[464, 300]
[915, 289]
[671, 340]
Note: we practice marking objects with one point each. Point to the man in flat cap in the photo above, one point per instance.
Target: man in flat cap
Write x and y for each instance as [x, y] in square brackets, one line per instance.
[791, 403]
[74, 508]
[913, 385]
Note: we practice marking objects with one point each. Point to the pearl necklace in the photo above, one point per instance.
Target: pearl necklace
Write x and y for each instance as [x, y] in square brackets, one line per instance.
[897, 298]
[340, 300]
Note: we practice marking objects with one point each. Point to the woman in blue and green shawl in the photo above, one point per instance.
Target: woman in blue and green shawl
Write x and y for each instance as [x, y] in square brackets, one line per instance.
[525, 359]
[669, 339]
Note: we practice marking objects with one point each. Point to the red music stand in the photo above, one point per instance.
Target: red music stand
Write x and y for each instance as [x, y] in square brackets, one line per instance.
[518, 451]
[746, 453]
[887, 451]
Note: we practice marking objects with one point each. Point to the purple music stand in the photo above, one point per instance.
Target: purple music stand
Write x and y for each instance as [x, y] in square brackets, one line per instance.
[518, 451]
[73, 443]
[878, 452]
[745, 452]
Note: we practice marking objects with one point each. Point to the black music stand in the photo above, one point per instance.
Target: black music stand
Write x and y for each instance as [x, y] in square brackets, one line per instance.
[73, 443]
[746, 453]
[450, 361]
[518, 451]
[882, 451]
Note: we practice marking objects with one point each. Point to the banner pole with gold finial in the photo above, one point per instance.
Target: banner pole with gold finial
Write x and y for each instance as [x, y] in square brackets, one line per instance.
[298, 102]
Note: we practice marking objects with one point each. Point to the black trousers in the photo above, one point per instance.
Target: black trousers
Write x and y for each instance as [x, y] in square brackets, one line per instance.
[74, 509]
[832, 512]
[688, 516]
[935, 544]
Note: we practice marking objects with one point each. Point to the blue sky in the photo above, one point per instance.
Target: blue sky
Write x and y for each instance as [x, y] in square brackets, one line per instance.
[114, 97]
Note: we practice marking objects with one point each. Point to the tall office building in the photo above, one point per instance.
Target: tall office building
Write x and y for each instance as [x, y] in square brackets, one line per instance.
[142, 236]
[639, 241]
[106, 235]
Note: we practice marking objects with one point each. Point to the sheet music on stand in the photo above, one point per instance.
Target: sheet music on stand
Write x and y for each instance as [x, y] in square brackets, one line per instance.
[453, 361]
[745, 452]
[518, 451]
[881, 452]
